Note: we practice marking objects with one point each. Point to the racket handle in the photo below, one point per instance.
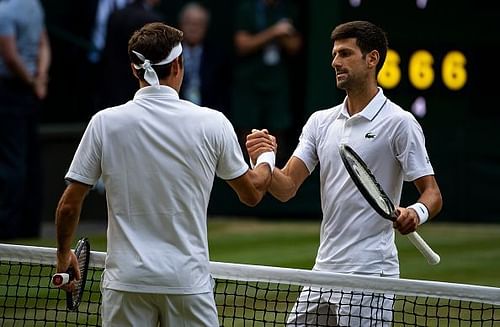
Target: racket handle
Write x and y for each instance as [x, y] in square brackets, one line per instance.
[60, 279]
[432, 257]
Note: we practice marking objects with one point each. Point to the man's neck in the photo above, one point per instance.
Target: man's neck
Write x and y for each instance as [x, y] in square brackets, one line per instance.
[357, 100]
[170, 84]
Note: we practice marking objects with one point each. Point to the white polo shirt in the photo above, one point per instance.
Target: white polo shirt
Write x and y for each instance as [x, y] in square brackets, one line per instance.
[353, 237]
[158, 156]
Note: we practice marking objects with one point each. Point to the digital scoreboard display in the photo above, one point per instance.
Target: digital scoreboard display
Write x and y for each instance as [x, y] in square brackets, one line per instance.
[436, 47]
[422, 73]
[442, 66]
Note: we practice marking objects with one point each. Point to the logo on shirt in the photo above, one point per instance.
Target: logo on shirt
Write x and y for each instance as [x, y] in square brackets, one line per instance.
[369, 135]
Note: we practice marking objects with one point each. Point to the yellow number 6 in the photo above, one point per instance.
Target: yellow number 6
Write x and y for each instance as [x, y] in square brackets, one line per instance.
[420, 69]
[453, 70]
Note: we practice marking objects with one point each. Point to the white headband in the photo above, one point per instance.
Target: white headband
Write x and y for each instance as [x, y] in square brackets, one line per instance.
[149, 73]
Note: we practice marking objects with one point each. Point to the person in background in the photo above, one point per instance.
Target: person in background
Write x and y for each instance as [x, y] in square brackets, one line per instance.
[90, 69]
[117, 84]
[266, 38]
[158, 156]
[206, 78]
[24, 67]
[103, 10]
[354, 239]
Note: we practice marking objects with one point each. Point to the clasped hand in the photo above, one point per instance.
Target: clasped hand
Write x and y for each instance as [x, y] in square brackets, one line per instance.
[258, 142]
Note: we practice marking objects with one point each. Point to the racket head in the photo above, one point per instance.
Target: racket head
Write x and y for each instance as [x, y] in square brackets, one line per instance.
[82, 252]
[366, 183]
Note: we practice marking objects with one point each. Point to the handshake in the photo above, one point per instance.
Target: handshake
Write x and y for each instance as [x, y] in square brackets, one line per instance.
[261, 147]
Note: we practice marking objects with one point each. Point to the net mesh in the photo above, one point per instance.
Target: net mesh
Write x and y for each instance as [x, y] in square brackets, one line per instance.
[248, 295]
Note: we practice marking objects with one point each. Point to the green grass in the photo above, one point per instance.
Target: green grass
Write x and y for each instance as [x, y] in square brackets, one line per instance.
[470, 253]
[283, 244]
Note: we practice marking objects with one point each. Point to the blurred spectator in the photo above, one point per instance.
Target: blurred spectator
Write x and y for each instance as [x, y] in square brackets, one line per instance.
[91, 70]
[206, 82]
[119, 84]
[98, 38]
[265, 38]
[24, 65]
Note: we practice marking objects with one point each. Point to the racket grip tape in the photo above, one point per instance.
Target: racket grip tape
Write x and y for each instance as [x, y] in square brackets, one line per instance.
[432, 257]
[60, 279]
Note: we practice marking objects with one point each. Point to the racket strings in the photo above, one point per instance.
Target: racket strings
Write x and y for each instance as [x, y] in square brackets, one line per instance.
[82, 253]
[372, 186]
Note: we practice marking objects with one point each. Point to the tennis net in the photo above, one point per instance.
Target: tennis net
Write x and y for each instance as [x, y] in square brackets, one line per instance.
[250, 295]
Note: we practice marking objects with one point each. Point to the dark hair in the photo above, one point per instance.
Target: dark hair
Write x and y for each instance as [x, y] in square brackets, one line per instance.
[368, 37]
[154, 41]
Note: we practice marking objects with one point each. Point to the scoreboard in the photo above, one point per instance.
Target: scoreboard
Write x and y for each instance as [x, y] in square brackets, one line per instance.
[441, 66]
[436, 47]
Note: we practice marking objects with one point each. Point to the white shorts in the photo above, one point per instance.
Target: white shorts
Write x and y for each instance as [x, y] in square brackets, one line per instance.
[326, 307]
[146, 309]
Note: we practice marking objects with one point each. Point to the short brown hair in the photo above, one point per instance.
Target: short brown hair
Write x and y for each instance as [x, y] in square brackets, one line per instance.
[368, 37]
[154, 41]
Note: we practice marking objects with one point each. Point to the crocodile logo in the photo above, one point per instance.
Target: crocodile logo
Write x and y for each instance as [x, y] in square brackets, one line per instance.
[369, 135]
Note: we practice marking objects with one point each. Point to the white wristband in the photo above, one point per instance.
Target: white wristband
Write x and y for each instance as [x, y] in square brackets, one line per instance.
[267, 157]
[421, 210]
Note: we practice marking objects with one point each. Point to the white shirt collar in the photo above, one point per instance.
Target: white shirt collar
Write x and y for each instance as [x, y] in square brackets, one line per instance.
[155, 91]
[371, 109]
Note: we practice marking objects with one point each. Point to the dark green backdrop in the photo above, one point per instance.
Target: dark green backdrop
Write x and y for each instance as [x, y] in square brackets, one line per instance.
[461, 127]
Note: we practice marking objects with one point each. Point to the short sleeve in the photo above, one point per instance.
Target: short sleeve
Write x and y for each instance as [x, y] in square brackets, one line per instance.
[86, 165]
[411, 151]
[307, 148]
[231, 163]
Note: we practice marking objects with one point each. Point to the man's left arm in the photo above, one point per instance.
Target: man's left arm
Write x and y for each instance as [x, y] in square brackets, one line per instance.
[428, 205]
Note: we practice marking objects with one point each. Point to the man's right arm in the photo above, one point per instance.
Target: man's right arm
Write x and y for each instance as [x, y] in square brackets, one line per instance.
[67, 217]
[13, 60]
[287, 181]
[43, 64]
[252, 186]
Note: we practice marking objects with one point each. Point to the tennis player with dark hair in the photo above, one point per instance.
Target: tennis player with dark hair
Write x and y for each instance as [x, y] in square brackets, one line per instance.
[158, 156]
[354, 239]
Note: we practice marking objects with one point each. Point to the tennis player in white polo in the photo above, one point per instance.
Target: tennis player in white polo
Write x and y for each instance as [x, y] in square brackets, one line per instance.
[158, 156]
[354, 239]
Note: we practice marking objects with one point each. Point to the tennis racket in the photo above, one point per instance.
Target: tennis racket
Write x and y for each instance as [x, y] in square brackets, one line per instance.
[82, 252]
[378, 199]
